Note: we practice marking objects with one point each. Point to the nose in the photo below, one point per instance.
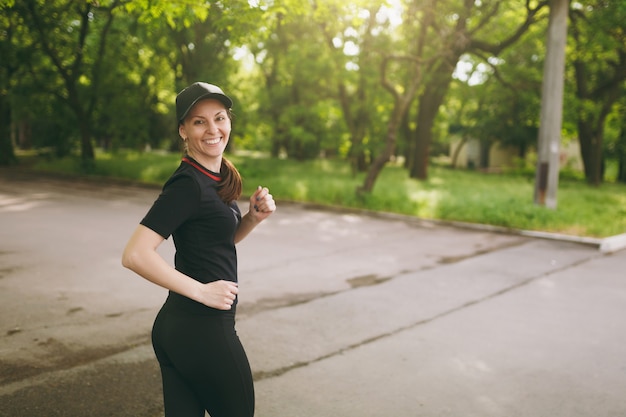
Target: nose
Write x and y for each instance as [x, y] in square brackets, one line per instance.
[211, 126]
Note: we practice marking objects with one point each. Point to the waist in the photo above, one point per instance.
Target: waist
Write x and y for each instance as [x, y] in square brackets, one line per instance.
[187, 305]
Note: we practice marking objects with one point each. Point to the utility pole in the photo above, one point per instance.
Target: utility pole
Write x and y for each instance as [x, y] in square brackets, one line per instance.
[547, 173]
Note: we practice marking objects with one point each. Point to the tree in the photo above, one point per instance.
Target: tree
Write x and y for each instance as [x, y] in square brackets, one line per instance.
[356, 36]
[458, 30]
[297, 75]
[189, 43]
[106, 72]
[8, 51]
[599, 62]
[61, 32]
[495, 100]
[413, 64]
[621, 151]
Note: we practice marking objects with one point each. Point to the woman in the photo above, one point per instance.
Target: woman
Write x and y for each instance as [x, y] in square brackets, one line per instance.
[203, 364]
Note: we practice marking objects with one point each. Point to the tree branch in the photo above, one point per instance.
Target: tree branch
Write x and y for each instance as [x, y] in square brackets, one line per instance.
[496, 48]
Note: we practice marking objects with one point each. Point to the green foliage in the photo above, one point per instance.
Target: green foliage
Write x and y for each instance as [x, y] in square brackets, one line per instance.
[598, 75]
[497, 98]
[305, 76]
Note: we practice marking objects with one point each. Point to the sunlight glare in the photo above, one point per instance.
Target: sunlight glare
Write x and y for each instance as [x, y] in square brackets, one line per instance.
[350, 49]
[469, 72]
[392, 12]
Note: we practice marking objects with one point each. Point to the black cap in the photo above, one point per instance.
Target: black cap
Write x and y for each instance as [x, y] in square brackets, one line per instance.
[195, 92]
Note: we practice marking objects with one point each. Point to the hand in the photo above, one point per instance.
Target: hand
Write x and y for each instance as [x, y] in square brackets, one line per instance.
[219, 294]
[262, 204]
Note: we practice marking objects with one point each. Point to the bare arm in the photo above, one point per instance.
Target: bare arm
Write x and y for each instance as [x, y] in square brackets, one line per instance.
[141, 257]
[262, 205]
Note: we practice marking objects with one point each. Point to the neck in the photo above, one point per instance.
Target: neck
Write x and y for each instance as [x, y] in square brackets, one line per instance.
[212, 164]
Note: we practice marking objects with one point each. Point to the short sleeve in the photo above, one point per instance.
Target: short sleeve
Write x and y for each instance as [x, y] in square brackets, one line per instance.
[179, 200]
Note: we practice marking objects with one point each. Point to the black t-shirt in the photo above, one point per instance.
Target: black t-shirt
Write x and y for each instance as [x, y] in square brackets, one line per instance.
[202, 225]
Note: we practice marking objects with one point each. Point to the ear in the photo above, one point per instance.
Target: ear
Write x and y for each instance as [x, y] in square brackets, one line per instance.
[181, 131]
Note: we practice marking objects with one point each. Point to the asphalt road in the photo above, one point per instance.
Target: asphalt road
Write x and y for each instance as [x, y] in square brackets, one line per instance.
[342, 314]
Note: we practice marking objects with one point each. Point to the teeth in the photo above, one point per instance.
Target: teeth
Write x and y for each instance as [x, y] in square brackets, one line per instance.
[213, 141]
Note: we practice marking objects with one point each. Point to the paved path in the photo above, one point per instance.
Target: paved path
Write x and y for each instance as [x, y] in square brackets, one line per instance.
[341, 314]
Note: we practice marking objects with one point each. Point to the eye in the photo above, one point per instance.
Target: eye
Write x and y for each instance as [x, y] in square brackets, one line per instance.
[220, 118]
[198, 122]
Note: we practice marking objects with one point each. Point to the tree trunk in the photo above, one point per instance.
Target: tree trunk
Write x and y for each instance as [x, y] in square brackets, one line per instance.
[429, 103]
[358, 161]
[590, 139]
[402, 103]
[379, 163]
[485, 148]
[7, 154]
[621, 156]
[87, 154]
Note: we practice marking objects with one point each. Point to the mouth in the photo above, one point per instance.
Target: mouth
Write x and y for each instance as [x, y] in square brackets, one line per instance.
[212, 141]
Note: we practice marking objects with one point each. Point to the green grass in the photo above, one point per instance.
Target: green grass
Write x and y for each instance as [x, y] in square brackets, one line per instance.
[468, 196]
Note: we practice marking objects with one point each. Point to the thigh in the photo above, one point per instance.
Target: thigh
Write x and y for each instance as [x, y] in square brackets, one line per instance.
[208, 356]
[179, 399]
[232, 393]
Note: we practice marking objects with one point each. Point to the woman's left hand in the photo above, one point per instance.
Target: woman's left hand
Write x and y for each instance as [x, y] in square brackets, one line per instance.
[262, 203]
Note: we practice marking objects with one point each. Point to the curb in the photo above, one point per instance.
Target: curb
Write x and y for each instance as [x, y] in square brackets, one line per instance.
[613, 243]
[606, 245]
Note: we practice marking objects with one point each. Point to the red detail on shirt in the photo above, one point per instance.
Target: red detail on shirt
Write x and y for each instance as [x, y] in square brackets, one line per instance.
[202, 169]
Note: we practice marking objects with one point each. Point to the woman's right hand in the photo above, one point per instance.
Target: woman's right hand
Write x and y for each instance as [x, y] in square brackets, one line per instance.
[218, 294]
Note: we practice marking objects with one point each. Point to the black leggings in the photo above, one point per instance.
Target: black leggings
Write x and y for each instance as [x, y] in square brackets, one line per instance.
[203, 364]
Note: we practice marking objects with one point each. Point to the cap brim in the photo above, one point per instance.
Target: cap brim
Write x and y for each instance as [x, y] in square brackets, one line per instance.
[225, 100]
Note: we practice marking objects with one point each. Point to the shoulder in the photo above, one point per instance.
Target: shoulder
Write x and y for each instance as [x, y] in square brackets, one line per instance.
[183, 177]
[181, 186]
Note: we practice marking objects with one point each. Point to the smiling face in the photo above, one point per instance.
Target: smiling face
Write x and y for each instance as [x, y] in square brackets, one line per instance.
[206, 130]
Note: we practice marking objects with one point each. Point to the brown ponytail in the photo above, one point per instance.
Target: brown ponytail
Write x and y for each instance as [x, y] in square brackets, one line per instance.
[230, 187]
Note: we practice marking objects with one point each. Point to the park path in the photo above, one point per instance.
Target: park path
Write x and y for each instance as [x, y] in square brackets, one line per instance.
[342, 313]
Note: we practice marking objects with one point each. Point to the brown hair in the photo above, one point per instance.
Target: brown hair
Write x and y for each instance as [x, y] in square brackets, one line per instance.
[229, 189]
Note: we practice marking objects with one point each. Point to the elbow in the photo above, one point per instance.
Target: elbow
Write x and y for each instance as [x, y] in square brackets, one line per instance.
[140, 249]
[129, 260]
[126, 263]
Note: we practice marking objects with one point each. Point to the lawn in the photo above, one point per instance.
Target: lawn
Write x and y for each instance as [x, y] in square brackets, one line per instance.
[504, 200]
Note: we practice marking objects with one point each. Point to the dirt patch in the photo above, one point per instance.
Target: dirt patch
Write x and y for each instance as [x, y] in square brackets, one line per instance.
[289, 300]
[57, 356]
[367, 280]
